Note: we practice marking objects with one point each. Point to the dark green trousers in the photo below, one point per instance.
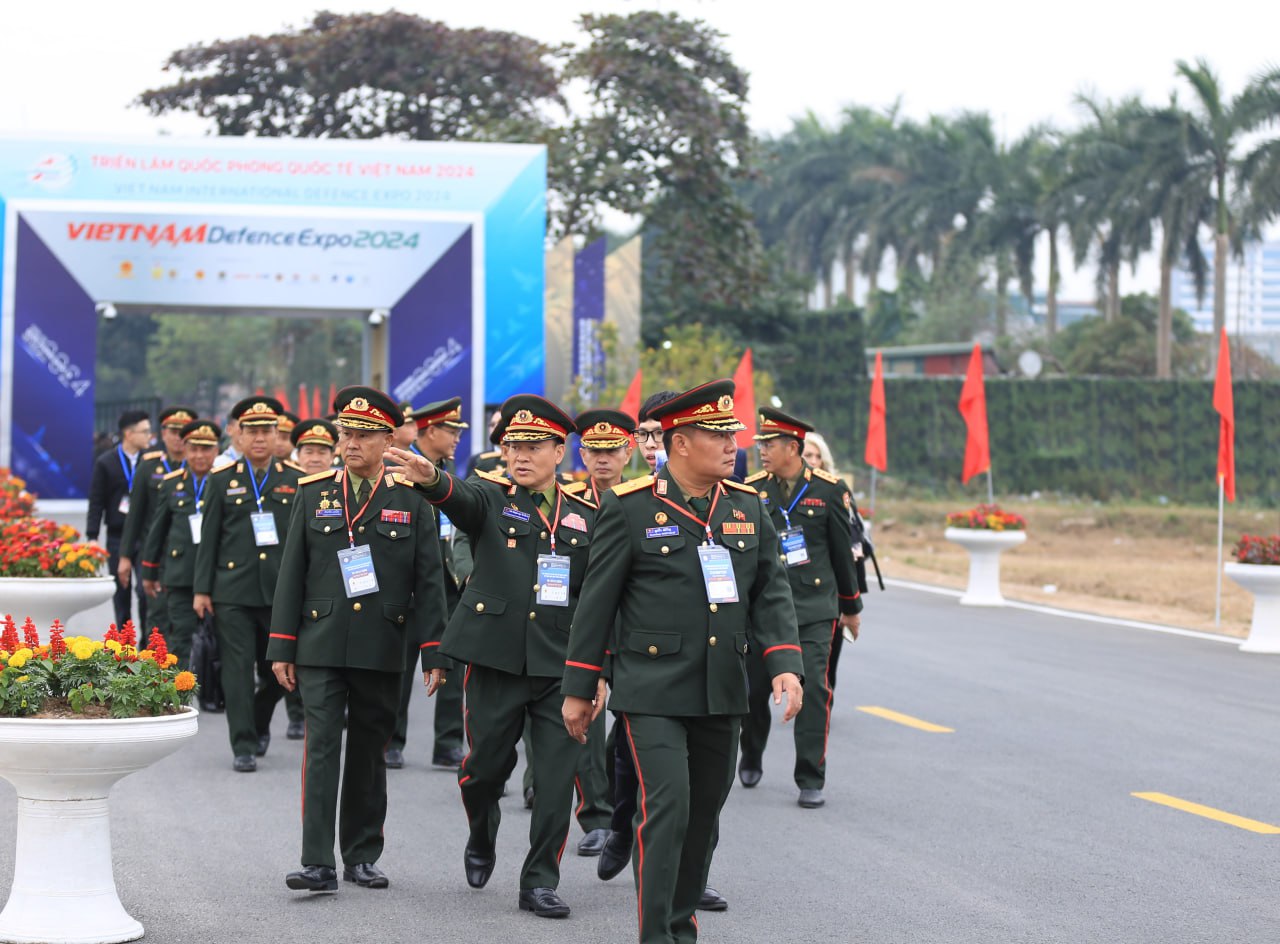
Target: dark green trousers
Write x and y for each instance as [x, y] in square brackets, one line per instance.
[812, 724]
[181, 622]
[685, 766]
[368, 700]
[497, 704]
[448, 722]
[242, 643]
[591, 781]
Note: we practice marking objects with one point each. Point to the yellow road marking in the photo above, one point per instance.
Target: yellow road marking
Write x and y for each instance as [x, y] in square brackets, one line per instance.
[1208, 812]
[909, 721]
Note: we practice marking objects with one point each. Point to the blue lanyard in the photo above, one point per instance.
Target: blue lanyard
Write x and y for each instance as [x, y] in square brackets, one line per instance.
[786, 512]
[200, 491]
[128, 467]
[168, 468]
[257, 487]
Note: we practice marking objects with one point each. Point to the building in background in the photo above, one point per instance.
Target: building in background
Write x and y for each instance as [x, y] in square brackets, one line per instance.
[1253, 297]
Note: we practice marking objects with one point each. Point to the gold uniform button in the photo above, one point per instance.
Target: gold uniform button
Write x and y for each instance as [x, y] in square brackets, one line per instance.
[532, 615]
[262, 555]
[665, 549]
[315, 614]
[817, 581]
[536, 588]
[653, 650]
[326, 529]
[712, 640]
[284, 501]
[174, 552]
[479, 607]
[231, 565]
[573, 541]
[511, 530]
[400, 618]
[810, 512]
[239, 500]
[542, 535]
[181, 502]
[742, 544]
[715, 608]
[362, 529]
[392, 533]
[357, 607]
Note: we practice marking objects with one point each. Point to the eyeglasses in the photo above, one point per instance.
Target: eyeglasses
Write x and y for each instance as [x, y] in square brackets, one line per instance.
[648, 435]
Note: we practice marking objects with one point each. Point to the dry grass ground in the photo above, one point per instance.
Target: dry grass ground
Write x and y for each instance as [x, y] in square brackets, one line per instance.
[1151, 563]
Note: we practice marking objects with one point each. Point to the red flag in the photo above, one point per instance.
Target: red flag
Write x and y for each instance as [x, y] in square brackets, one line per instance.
[631, 402]
[973, 407]
[1224, 403]
[744, 400]
[333, 395]
[283, 397]
[316, 412]
[877, 454]
[304, 413]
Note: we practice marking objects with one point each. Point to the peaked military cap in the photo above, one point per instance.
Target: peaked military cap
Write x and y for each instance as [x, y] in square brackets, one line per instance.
[315, 433]
[709, 406]
[366, 408]
[605, 429]
[177, 417]
[201, 433]
[287, 421]
[441, 413]
[775, 423]
[257, 411]
[530, 418]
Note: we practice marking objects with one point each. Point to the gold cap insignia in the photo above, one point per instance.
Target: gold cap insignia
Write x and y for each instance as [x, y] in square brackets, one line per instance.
[359, 403]
[259, 407]
[725, 403]
[523, 416]
[604, 428]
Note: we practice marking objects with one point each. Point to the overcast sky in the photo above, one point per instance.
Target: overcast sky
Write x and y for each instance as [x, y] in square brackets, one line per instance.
[75, 66]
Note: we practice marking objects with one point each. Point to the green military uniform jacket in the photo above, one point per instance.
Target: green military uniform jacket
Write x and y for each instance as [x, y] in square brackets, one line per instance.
[168, 554]
[677, 654]
[828, 583]
[498, 622]
[230, 566]
[313, 621]
[152, 468]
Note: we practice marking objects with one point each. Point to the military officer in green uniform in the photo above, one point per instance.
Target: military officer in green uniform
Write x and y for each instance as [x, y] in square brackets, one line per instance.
[246, 510]
[152, 467]
[706, 548]
[439, 427]
[361, 571]
[314, 443]
[530, 541]
[810, 510]
[169, 551]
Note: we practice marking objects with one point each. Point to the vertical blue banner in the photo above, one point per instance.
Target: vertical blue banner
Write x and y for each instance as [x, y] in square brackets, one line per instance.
[588, 315]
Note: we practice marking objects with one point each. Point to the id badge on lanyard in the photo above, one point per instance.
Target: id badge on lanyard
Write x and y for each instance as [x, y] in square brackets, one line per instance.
[553, 580]
[358, 576]
[717, 574]
[794, 548]
[446, 527]
[264, 528]
[123, 507]
[197, 522]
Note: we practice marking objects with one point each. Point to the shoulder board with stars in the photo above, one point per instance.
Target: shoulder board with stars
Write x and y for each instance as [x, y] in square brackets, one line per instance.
[494, 477]
[827, 476]
[174, 474]
[290, 464]
[574, 488]
[154, 454]
[730, 483]
[223, 468]
[580, 498]
[635, 485]
[755, 478]
[318, 476]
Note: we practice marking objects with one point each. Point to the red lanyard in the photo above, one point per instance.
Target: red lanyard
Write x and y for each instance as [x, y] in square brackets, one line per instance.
[346, 507]
[551, 525]
[711, 510]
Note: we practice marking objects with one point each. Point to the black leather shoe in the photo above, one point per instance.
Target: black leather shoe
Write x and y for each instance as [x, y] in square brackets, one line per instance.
[264, 741]
[478, 866]
[394, 758]
[528, 798]
[366, 874]
[749, 772]
[712, 900]
[244, 764]
[544, 902]
[312, 878]
[811, 799]
[297, 731]
[615, 855]
[450, 759]
[592, 844]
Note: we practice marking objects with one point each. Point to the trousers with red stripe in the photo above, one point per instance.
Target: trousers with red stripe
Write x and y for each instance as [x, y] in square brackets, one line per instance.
[496, 704]
[811, 725]
[685, 766]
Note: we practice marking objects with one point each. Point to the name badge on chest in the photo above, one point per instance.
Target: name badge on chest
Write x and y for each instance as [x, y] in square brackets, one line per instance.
[717, 574]
[123, 507]
[264, 528]
[197, 522]
[553, 580]
[446, 527]
[358, 576]
[794, 548]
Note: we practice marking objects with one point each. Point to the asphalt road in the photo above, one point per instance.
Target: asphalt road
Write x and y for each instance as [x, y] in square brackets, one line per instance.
[1019, 825]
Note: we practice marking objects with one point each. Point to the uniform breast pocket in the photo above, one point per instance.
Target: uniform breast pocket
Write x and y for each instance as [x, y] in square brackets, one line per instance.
[742, 543]
[514, 527]
[663, 545]
[317, 608]
[485, 604]
[653, 644]
[283, 498]
[394, 532]
[327, 525]
[568, 539]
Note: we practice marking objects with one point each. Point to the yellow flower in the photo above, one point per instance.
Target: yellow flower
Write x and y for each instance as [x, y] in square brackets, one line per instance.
[4, 656]
[82, 650]
[17, 660]
[62, 549]
[170, 659]
[184, 682]
[23, 678]
[86, 565]
[146, 655]
[24, 652]
[113, 646]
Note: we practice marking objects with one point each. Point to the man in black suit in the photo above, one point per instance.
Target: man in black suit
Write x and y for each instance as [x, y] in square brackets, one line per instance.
[113, 473]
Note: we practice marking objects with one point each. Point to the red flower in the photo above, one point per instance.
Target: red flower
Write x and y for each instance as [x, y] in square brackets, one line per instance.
[57, 648]
[157, 645]
[9, 638]
[30, 636]
[128, 635]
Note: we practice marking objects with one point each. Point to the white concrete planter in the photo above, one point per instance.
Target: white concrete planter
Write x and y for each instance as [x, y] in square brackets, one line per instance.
[1263, 581]
[64, 889]
[985, 548]
[45, 599]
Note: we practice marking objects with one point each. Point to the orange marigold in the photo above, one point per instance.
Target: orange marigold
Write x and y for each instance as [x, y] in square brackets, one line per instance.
[184, 681]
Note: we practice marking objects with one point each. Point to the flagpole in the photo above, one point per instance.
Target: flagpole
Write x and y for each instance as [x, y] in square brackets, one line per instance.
[873, 492]
[991, 492]
[1217, 605]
